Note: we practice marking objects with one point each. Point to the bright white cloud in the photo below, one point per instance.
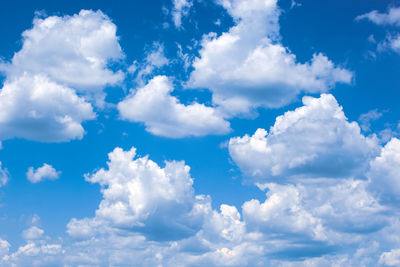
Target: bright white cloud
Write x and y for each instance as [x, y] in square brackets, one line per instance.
[385, 172]
[4, 176]
[248, 67]
[70, 50]
[141, 196]
[180, 9]
[164, 115]
[60, 56]
[315, 140]
[46, 172]
[390, 18]
[26, 112]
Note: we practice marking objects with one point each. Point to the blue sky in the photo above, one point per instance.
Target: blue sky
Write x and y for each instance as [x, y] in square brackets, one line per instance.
[199, 133]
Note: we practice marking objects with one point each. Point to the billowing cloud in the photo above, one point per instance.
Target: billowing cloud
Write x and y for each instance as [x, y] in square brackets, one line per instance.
[64, 59]
[315, 140]
[26, 112]
[248, 67]
[46, 172]
[164, 115]
[385, 172]
[70, 50]
[139, 195]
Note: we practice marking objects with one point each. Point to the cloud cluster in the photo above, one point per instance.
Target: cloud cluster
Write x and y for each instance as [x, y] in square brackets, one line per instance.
[65, 60]
[248, 67]
[391, 18]
[164, 115]
[46, 172]
[315, 140]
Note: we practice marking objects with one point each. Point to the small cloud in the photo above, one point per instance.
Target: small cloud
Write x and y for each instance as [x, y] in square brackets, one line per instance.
[32, 233]
[366, 119]
[46, 172]
[4, 176]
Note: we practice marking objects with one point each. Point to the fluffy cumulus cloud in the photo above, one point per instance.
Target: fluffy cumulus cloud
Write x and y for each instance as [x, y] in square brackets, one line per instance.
[71, 50]
[385, 172]
[139, 195]
[164, 115]
[151, 215]
[26, 112]
[64, 59]
[46, 172]
[248, 67]
[315, 140]
[391, 18]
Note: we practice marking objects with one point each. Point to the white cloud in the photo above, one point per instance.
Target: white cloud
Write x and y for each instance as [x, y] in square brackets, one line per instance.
[4, 248]
[4, 176]
[32, 233]
[315, 140]
[70, 50]
[26, 112]
[46, 172]
[385, 172]
[390, 18]
[163, 115]
[60, 56]
[248, 67]
[141, 196]
[180, 9]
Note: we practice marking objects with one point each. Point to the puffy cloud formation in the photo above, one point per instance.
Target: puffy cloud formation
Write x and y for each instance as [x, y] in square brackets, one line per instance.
[390, 18]
[180, 9]
[248, 67]
[315, 140]
[163, 115]
[46, 172]
[60, 56]
[385, 172]
[4, 176]
[70, 50]
[151, 216]
[139, 195]
[26, 112]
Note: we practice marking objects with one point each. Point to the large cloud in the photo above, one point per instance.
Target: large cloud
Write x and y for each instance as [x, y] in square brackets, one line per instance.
[26, 112]
[61, 58]
[139, 195]
[71, 50]
[248, 67]
[315, 140]
[163, 114]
